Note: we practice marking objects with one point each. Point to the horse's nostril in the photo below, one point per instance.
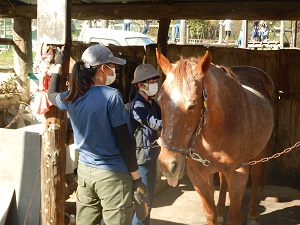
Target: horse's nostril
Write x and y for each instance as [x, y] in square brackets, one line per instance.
[174, 167]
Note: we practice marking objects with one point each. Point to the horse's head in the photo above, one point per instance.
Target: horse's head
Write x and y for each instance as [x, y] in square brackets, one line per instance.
[181, 102]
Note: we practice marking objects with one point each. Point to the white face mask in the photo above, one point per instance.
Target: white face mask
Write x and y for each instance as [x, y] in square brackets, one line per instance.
[153, 88]
[110, 79]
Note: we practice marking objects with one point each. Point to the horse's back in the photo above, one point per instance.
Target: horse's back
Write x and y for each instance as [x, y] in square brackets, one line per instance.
[255, 78]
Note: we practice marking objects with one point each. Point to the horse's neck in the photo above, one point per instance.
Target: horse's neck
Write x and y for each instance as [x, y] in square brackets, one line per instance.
[216, 132]
[216, 86]
[223, 94]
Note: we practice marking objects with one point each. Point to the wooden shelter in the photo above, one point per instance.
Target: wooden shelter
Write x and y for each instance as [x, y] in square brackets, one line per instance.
[158, 9]
[282, 65]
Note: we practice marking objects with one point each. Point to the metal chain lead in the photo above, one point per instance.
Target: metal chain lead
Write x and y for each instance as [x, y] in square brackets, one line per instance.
[19, 114]
[276, 155]
[198, 158]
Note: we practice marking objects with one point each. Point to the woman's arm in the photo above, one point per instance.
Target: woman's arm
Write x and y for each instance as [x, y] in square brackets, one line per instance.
[53, 87]
[127, 149]
[145, 116]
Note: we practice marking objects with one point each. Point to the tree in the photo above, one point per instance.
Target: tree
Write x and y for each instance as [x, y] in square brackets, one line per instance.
[203, 29]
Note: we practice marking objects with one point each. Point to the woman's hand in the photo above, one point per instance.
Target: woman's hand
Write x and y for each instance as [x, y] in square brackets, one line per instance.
[59, 56]
[59, 60]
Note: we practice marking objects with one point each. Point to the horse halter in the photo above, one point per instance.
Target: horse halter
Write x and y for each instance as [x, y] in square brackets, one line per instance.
[190, 151]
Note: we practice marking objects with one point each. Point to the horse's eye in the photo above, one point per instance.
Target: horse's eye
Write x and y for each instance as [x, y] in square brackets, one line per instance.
[191, 107]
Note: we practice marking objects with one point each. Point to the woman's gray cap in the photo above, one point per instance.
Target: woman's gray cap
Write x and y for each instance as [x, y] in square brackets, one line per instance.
[144, 72]
[96, 55]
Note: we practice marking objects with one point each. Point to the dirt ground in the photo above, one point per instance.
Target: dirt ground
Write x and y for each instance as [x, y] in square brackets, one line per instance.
[280, 205]
[181, 205]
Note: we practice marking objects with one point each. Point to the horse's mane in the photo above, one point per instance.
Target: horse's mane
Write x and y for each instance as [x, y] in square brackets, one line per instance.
[228, 71]
[185, 71]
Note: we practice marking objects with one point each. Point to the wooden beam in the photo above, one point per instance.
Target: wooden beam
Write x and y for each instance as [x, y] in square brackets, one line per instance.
[6, 41]
[285, 10]
[207, 11]
[23, 52]
[53, 151]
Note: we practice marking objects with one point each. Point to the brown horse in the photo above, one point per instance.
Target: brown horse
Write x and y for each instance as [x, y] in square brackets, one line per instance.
[215, 119]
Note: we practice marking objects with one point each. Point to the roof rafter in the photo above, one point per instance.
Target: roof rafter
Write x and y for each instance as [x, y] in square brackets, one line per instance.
[289, 10]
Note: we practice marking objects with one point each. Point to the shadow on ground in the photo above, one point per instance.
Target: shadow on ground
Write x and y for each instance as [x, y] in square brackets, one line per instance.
[280, 205]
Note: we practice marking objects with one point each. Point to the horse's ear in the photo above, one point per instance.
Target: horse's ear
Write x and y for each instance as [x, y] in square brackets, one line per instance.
[163, 62]
[204, 64]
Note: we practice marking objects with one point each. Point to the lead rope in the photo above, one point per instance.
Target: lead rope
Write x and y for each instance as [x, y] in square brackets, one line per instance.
[152, 145]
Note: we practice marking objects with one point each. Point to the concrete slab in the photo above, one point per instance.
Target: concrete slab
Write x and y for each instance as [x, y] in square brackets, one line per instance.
[20, 170]
[6, 194]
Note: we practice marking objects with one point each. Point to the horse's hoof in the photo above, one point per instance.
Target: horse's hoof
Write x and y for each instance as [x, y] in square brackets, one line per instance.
[220, 220]
[252, 222]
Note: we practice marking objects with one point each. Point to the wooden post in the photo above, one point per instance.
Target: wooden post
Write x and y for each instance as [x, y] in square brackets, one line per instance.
[182, 36]
[294, 33]
[282, 34]
[245, 34]
[162, 36]
[105, 23]
[23, 53]
[54, 27]
[220, 32]
[162, 40]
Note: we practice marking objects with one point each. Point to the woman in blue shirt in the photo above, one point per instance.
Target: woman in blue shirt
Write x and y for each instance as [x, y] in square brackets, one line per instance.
[107, 172]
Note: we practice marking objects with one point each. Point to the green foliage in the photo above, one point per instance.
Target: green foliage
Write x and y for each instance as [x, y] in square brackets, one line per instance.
[9, 86]
[7, 58]
[203, 29]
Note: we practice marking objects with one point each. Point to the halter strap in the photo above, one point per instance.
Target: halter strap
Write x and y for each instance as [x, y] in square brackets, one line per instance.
[191, 151]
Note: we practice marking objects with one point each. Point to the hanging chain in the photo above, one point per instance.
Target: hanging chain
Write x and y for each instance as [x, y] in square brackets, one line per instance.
[265, 159]
[20, 111]
[19, 114]
[276, 155]
[206, 162]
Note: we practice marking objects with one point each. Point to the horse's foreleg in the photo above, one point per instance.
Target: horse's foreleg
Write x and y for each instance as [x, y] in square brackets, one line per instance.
[204, 185]
[257, 177]
[237, 181]
[222, 198]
